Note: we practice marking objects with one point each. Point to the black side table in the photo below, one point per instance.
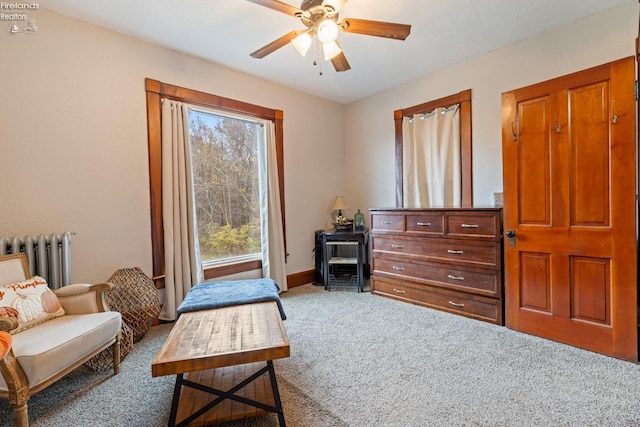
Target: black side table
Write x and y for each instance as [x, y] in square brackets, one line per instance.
[358, 257]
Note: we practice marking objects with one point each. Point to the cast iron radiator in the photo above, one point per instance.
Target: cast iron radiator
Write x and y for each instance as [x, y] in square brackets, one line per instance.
[49, 256]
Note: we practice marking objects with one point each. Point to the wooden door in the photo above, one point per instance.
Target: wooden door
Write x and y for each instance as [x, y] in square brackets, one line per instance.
[569, 199]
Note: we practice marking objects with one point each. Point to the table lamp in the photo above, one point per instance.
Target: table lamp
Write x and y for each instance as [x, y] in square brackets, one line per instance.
[338, 205]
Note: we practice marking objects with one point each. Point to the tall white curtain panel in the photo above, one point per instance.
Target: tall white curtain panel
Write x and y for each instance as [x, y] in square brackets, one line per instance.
[181, 251]
[273, 251]
[431, 159]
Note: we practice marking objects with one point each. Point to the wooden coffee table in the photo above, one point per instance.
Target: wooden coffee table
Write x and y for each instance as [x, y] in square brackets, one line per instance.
[218, 357]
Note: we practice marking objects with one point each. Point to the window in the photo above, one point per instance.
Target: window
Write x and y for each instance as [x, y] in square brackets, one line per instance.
[225, 173]
[464, 99]
[202, 103]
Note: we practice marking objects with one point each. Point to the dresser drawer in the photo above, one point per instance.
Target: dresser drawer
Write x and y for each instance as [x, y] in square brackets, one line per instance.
[486, 283]
[425, 223]
[468, 305]
[387, 222]
[471, 253]
[476, 225]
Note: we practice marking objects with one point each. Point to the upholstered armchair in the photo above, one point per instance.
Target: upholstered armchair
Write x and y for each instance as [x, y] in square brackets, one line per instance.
[53, 332]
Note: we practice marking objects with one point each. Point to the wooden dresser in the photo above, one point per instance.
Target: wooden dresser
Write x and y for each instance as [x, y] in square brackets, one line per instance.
[449, 259]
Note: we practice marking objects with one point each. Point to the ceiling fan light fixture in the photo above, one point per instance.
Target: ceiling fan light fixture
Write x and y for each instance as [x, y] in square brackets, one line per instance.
[302, 43]
[320, 17]
[327, 31]
[331, 50]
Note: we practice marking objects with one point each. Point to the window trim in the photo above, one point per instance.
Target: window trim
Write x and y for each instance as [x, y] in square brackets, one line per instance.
[155, 91]
[464, 99]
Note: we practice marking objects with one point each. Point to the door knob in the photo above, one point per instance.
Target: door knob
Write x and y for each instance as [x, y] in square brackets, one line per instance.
[511, 234]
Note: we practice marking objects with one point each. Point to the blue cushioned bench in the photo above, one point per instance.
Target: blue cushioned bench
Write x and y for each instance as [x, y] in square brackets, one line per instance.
[208, 295]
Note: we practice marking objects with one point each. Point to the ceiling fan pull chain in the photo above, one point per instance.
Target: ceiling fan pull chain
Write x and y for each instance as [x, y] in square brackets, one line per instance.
[316, 49]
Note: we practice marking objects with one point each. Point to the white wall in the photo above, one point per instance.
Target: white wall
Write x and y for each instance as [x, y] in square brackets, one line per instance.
[73, 141]
[369, 137]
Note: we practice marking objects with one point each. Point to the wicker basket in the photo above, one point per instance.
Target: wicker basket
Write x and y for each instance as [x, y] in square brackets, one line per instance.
[135, 296]
[104, 360]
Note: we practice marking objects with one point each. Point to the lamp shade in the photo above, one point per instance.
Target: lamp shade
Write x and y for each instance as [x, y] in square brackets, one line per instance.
[302, 43]
[327, 31]
[339, 204]
[331, 50]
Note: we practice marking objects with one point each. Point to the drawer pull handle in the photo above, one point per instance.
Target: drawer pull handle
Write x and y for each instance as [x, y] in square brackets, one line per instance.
[386, 222]
[451, 251]
[469, 225]
[398, 268]
[452, 277]
[397, 246]
[455, 304]
[423, 224]
[399, 291]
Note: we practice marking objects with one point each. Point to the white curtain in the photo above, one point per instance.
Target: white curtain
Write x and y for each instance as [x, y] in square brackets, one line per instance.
[181, 251]
[273, 252]
[431, 159]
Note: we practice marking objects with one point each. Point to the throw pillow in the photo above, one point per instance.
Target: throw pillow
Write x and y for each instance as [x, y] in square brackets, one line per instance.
[33, 301]
[8, 319]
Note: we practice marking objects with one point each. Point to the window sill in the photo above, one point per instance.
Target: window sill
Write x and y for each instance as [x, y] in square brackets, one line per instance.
[227, 269]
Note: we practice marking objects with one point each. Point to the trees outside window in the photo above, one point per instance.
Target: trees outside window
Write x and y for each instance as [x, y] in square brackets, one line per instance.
[225, 175]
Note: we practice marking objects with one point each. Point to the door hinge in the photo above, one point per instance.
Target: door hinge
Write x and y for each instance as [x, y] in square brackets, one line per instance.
[637, 89]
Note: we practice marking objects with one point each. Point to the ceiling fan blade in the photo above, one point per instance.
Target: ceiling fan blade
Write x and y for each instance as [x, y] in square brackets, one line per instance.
[335, 4]
[375, 28]
[276, 44]
[340, 62]
[279, 6]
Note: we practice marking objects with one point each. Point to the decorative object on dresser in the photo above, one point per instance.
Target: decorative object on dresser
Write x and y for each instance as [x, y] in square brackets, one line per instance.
[449, 259]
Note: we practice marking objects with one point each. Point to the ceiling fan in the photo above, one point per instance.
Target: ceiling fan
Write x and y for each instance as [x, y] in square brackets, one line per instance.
[321, 19]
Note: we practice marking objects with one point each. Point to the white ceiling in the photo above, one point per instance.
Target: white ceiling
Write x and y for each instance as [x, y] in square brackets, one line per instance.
[443, 32]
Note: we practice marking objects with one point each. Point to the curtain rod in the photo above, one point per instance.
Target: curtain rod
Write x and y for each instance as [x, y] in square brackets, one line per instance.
[434, 112]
